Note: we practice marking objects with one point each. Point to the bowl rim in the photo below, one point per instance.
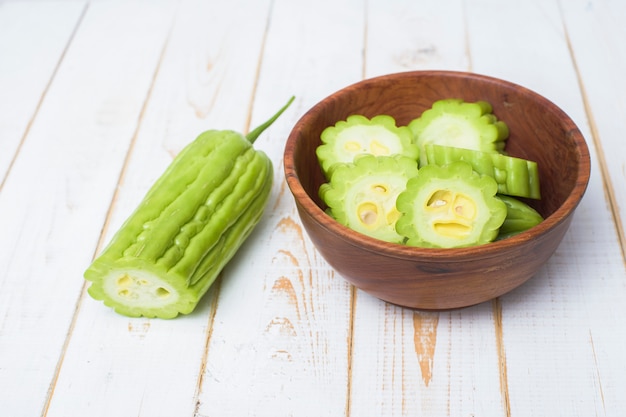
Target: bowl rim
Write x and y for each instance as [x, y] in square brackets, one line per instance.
[400, 251]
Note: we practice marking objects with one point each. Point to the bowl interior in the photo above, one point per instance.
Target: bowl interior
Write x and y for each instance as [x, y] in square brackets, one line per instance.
[539, 130]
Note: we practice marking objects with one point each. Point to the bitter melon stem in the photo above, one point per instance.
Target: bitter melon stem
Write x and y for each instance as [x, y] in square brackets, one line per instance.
[254, 134]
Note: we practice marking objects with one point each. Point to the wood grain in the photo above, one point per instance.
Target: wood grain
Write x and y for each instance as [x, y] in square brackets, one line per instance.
[288, 352]
[97, 97]
[403, 37]
[558, 306]
[54, 200]
[28, 66]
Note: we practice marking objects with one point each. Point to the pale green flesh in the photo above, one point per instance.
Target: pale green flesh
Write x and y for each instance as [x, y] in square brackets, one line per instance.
[137, 288]
[453, 221]
[364, 139]
[371, 206]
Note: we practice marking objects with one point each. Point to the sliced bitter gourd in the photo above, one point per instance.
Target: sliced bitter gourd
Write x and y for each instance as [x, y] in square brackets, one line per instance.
[519, 217]
[454, 122]
[189, 225]
[450, 206]
[515, 176]
[358, 135]
[362, 195]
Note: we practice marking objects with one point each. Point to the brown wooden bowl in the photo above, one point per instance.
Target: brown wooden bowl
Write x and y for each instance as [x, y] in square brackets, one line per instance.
[438, 279]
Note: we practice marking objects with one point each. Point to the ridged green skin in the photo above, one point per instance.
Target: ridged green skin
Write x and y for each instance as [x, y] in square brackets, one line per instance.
[519, 217]
[369, 187]
[454, 122]
[377, 136]
[426, 223]
[189, 225]
[515, 176]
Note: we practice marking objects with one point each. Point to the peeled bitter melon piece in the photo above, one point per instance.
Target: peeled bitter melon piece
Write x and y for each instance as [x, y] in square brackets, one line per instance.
[449, 207]
[515, 176]
[519, 217]
[358, 135]
[362, 195]
[454, 122]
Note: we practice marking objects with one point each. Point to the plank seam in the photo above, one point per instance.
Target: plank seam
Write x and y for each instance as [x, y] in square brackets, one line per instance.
[595, 137]
[57, 369]
[213, 312]
[468, 54]
[120, 180]
[353, 295]
[499, 333]
[365, 43]
[597, 369]
[205, 353]
[257, 74]
[44, 94]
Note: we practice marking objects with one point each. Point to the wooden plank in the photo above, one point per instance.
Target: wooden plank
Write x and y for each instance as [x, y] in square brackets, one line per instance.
[561, 325]
[409, 35]
[280, 340]
[595, 31]
[409, 362]
[54, 202]
[29, 60]
[281, 333]
[206, 80]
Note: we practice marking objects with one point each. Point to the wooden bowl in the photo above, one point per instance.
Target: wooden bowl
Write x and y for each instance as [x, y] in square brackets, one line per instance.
[439, 279]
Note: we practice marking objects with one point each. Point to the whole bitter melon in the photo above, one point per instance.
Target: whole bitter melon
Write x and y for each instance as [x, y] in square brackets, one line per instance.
[189, 225]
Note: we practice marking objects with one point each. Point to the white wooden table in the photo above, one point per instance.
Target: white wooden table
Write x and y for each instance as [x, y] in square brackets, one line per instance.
[97, 97]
